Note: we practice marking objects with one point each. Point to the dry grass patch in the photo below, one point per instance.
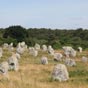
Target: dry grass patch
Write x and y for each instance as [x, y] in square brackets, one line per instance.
[33, 74]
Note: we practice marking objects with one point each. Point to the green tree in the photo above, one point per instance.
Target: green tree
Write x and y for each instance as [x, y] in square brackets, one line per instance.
[16, 32]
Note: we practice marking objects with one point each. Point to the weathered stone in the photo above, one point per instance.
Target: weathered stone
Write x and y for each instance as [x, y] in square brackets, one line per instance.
[58, 57]
[84, 59]
[44, 60]
[60, 73]
[13, 63]
[44, 47]
[70, 62]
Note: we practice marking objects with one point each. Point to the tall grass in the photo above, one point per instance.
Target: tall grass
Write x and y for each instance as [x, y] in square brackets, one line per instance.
[32, 74]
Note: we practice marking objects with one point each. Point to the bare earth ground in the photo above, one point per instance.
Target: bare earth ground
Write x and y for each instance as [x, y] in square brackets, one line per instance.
[32, 74]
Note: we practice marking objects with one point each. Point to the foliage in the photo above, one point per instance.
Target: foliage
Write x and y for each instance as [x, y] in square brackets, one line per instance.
[16, 32]
[57, 38]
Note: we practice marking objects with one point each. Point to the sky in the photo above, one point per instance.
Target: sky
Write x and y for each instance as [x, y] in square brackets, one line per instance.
[61, 14]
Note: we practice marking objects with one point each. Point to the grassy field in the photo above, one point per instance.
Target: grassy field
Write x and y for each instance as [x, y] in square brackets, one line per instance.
[32, 74]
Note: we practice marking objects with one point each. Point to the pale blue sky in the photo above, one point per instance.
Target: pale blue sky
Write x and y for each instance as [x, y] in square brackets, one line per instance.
[44, 13]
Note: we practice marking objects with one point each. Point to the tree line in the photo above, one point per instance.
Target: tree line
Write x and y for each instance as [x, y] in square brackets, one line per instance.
[57, 38]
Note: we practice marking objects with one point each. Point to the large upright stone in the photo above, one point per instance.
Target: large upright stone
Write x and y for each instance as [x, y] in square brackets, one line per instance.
[80, 49]
[37, 46]
[58, 57]
[70, 62]
[4, 67]
[50, 50]
[44, 47]
[44, 60]
[60, 73]
[13, 63]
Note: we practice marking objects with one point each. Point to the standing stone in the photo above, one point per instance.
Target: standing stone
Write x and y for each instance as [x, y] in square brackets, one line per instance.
[10, 47]
[33, 51]
[44, 47]
[70, 62]
[18, 56]
[73, 53]
[50, 50]
[84, 59]
[67, 50]
[60, 73]
[58, 57]
[37, 46]
[44, 60]
[4, 67]
[80, 49]
[22, 44]
[13, 63]
[20, 50]
[5, 45]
